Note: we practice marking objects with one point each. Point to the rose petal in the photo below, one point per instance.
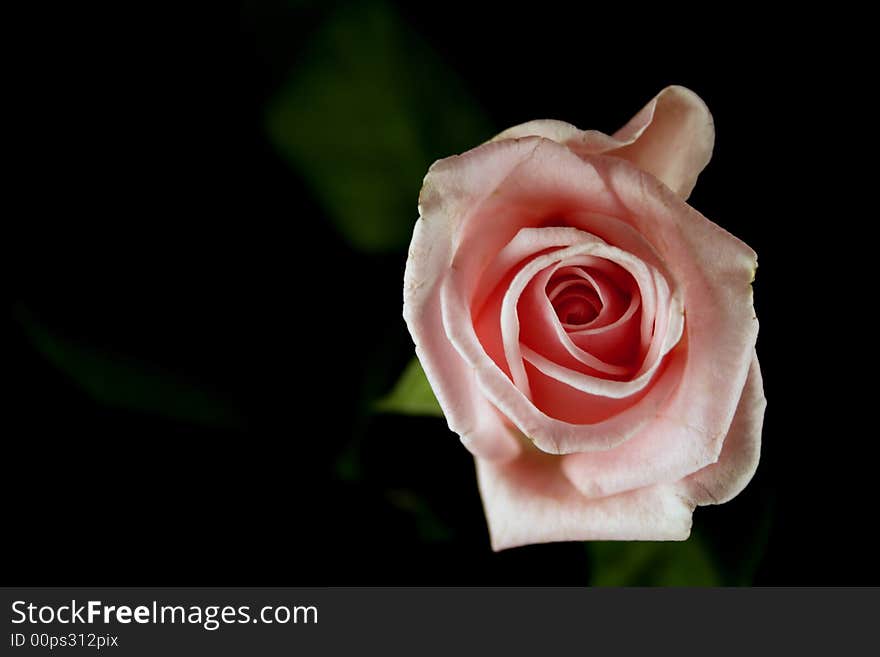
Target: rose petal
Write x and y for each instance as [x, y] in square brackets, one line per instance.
[588, 282]
[495, 384]
[569, 404]
[667, 448]
[451, 188]
[527, 500]
[583, 244]
[582, 142]
[547, 336]
[713, 268]
[688, 433]
[724, 480]
[611, 338]
[671, 137]
[467, 411]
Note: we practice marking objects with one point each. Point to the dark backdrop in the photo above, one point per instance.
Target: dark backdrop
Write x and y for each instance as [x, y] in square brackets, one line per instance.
[196, 342]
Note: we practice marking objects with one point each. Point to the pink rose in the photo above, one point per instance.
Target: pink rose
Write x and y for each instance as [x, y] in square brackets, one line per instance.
[588, 334]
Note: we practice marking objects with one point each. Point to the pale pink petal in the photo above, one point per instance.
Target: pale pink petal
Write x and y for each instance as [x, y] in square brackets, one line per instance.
[451, 188]
[527, 500]
[689, 430]
[724, 480]
[715, 271]
[494, 223]
[467, 411]
[671, 137]
[582, 142]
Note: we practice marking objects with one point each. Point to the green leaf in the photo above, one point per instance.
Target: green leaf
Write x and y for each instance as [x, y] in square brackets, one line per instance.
[123, 382]
[363, 115]
[647, 563]
[430, 528]
[411, 395]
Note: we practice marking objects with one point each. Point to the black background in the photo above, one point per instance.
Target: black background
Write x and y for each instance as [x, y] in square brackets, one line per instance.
[149, 216]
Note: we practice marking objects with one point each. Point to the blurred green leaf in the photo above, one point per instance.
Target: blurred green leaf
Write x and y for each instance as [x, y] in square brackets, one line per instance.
[122, 382]
[430, 527]
[649, 563]
[411, 395]
[363, 115]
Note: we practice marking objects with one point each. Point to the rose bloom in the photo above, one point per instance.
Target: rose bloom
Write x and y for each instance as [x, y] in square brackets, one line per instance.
[588, 334]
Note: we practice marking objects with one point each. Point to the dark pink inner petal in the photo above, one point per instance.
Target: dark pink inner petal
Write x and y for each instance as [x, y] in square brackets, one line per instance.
[583, 299]
[487, 324]
[565, 403]
[577, 308]
[579, 327]
[570, 300]
[609, 296]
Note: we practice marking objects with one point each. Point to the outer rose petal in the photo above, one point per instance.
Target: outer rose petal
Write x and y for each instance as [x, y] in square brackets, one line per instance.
[671, 137]
[467, 411]
[529, 501]
[724, 480]
[451, 189]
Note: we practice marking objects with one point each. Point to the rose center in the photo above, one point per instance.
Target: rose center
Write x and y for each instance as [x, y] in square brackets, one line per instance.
[576, 309]
[575, 301]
